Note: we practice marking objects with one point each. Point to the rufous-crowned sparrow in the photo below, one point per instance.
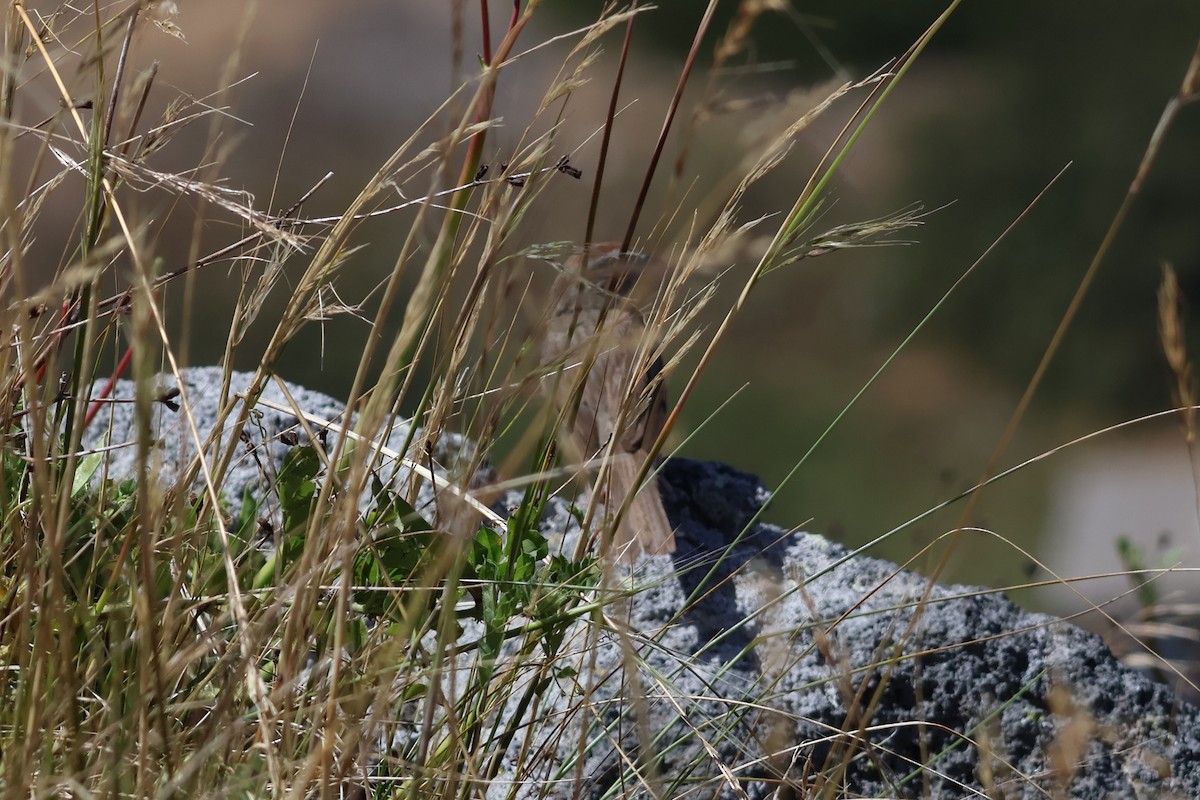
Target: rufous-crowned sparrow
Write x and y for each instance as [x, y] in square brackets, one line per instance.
[606, 383]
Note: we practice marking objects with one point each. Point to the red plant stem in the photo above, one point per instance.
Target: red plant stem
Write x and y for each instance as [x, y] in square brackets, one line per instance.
[475, 147]
[486, 31]
[512, 21]
[606, 138]
[98, 400]
[701, 29]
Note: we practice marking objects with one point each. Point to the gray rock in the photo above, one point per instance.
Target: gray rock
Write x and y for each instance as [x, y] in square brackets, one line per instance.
[755, 652]
[777, 643]
[260, 452]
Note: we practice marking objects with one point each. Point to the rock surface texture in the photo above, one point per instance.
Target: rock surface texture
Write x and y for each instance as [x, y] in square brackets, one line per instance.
[773, 661]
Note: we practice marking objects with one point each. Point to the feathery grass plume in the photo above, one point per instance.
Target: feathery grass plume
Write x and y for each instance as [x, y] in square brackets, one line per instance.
[1173, 338]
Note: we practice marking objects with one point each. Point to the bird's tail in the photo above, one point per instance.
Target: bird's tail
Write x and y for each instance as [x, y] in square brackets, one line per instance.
[645, 527]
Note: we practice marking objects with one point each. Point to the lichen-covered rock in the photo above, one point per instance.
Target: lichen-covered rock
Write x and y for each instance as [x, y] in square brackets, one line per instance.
[754, 658]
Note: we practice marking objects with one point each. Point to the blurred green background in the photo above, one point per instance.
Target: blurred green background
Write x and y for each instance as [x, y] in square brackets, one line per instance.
[1005, 97]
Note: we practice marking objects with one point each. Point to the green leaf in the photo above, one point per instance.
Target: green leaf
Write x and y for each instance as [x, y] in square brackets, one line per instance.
[84, 471]
[297, 484]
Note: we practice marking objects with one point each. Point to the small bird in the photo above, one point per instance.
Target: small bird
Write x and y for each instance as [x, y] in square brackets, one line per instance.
[594, 339]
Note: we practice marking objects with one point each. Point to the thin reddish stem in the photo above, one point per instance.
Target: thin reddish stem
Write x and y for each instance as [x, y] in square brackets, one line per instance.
[98, 401]
[701, 29]
[607, 137]
[486, 27]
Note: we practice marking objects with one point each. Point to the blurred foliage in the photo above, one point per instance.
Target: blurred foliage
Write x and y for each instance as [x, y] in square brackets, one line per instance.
[1020, 89]
[1007, 95]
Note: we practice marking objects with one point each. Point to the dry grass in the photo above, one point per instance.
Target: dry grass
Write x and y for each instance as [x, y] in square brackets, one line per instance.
[152, 644]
